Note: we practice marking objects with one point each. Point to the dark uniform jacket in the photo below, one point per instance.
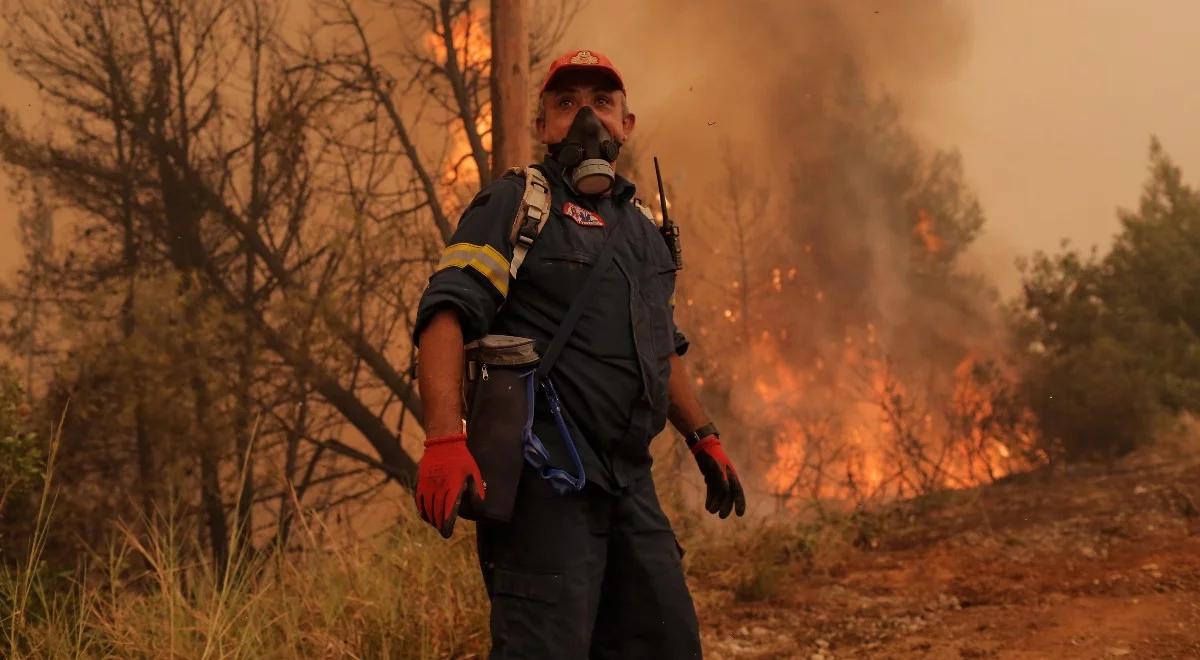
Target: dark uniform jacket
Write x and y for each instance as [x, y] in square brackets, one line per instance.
[612, 374]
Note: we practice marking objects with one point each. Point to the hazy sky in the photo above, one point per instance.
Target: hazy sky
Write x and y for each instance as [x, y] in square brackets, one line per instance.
[1052, 106]
[1052, 103]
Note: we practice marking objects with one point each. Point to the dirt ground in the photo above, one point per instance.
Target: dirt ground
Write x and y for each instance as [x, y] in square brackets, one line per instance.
[1088, 563]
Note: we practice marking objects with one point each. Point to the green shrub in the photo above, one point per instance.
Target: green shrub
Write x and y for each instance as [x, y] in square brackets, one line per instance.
[21, 454]
[1094, 401]
[1110, 344]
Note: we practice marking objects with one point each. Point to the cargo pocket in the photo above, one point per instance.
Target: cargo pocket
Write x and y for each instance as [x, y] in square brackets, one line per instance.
[542, 588]
[656, 349]
[528, 619]
[657, 288]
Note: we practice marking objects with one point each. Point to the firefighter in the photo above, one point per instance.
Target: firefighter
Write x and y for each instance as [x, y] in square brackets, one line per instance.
[589, 569]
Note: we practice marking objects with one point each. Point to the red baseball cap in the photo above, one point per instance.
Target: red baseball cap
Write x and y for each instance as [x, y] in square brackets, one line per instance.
[582, 59]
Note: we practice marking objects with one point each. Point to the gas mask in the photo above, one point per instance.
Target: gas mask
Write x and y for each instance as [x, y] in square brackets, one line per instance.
[587, 154]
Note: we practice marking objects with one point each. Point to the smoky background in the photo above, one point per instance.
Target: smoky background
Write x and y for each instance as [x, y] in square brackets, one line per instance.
[206, 324]
[837, 319]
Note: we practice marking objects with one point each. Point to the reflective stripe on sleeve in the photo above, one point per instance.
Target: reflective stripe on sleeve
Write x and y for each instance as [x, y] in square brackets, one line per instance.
[484, 259]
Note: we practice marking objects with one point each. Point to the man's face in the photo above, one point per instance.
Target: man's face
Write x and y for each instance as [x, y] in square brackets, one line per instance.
[574, 89]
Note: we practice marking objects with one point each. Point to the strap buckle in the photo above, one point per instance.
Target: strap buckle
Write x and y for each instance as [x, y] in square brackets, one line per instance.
[531, 226]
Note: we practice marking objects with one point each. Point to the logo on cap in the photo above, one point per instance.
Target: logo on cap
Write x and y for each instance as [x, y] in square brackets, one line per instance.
[585, 57]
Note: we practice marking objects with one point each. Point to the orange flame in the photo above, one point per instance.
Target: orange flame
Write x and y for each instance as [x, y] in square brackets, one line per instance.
[883, 442]
[472, 43]
[926, 231]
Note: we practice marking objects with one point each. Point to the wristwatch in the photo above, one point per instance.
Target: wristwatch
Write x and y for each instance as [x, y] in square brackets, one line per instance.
[701, 433]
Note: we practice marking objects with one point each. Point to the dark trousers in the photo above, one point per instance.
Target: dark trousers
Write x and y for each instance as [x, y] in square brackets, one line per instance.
[586, 575]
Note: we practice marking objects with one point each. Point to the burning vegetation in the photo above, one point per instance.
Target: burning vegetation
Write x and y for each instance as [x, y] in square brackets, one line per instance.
[889, 444]
[840, 328]
[462, 44]
[232, 207]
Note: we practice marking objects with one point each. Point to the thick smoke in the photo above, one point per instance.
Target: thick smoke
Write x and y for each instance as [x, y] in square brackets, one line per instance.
[713, 70]
[824, 242]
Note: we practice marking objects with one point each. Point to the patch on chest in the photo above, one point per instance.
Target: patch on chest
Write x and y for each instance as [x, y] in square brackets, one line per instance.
[582, 216]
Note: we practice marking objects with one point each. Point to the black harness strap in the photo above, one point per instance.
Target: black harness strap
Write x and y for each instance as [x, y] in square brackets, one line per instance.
[575, 311]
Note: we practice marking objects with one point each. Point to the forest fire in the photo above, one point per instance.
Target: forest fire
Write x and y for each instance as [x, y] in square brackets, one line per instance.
[469, 34]
[866, 436]
[925, 231]
[472, 50]
[458, 165]
[844, 424]
[238, 262]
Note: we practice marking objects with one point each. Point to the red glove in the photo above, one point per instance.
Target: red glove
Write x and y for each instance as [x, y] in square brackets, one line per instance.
[444, 474]
[724, 490]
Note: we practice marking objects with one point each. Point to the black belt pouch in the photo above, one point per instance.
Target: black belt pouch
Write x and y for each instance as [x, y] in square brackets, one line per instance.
[498, 391]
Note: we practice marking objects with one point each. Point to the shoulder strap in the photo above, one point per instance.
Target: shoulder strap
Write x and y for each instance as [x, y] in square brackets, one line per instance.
[581, 301]
[532, 213]
[641, 206]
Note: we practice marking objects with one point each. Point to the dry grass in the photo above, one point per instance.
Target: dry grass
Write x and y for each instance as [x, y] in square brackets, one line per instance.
[404, 594]
[154, 594]
[755, 559]
[397, 596]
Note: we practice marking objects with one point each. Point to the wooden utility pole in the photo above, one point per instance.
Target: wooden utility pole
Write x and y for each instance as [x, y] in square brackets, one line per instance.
[511, 89]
